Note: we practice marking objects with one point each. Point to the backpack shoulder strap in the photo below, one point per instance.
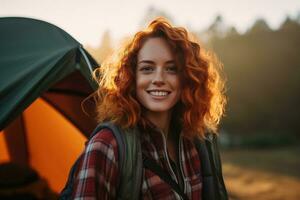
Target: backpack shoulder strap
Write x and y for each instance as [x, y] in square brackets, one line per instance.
[118, 134]
[215, 152]
[131, 173]
[130, 163]
[213, 184]
[208, 192]
[130, 160]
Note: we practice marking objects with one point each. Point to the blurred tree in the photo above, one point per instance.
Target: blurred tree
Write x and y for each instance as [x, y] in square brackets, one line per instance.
[263, 73]
[152, 13]
[289, 24]
[217, 28]
[232, 31]
[104, 50]
[298, 18]
[259, 25]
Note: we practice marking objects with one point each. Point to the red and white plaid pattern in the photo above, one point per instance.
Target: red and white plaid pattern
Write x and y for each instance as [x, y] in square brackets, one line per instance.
[98, 173]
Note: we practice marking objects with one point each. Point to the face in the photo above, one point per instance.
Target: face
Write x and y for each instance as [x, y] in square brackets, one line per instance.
[157, 78]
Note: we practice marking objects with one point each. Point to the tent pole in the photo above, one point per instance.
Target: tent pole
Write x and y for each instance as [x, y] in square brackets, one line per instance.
[86, 59]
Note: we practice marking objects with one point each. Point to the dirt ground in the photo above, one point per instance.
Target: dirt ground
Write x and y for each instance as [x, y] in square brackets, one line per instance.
[258, 174]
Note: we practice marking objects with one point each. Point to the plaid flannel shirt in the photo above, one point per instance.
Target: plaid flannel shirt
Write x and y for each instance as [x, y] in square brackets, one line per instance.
[98, 174]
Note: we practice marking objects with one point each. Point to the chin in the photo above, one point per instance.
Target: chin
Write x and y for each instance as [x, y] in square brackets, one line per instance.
[159, 109]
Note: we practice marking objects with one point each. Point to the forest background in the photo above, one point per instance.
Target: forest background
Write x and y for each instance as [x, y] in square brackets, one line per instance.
[260, 131]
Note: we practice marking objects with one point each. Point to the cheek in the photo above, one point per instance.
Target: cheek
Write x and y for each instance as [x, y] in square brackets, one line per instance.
[178, 87]
[140, 87]
[176, 83]
[140, 84]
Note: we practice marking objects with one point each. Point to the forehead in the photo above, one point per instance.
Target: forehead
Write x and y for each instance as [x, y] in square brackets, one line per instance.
[155, 49]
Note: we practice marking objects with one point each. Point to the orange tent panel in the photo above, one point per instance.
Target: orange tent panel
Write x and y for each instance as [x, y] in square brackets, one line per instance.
[53, 143]
[4, 155]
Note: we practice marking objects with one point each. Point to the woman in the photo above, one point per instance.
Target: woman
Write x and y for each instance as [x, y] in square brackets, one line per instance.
[164, 85]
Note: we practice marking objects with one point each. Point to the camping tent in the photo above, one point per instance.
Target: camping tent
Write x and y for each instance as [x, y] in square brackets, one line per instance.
[44, 76]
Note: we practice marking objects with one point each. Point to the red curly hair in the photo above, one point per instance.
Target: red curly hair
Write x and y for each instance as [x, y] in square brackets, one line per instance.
[202, 99]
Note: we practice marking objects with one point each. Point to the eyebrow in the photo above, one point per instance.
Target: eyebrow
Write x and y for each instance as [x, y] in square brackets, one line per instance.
[152, 62]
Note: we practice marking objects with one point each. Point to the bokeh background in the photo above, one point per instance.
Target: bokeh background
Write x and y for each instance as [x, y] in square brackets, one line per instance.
[258, 44]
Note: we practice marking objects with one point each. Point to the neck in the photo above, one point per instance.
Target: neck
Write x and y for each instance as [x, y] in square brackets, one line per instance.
[161, 120]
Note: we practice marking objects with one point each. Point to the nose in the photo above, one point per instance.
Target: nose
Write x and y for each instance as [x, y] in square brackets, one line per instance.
[158, 79]
[158, 83]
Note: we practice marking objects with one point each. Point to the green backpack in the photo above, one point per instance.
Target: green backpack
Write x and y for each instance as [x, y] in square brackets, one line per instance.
[131, 165]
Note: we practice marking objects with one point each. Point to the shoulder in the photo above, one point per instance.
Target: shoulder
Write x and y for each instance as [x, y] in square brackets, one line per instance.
[105, 135]
[98, 171]
[103, 141]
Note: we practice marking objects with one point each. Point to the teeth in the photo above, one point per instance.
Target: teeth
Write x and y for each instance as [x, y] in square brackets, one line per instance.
[159, 93]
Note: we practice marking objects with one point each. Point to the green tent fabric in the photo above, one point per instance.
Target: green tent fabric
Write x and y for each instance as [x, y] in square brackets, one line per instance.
[34, 57]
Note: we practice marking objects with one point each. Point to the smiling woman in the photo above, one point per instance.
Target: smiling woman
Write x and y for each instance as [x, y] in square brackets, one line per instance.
[158, 85]
[167, 98]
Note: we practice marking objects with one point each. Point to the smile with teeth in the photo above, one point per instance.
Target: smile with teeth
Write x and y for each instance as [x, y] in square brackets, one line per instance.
[158, 93]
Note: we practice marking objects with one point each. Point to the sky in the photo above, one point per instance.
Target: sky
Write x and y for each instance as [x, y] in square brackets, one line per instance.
[87, 20]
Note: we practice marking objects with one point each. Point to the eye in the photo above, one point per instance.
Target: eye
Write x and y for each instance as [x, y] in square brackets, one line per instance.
[172, 69]
[146, 69]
